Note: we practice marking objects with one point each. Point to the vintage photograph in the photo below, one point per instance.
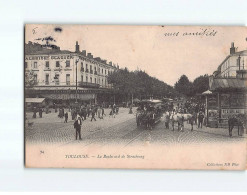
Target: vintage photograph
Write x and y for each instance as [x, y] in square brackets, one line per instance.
[135, 97]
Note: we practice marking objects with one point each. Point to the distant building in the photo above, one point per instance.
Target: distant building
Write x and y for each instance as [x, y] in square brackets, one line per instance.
[228, 84]
[233, 64]
[54, 72]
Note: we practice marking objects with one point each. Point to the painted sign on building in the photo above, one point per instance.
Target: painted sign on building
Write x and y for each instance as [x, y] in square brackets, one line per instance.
[225, 113]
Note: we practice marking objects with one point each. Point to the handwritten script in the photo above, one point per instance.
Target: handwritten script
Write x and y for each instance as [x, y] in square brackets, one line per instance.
[200, 33]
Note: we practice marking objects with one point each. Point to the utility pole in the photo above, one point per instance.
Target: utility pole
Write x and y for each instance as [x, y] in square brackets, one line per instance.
[77, 60]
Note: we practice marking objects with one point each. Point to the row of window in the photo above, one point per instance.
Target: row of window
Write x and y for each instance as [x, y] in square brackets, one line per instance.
[47, 65]
[91, 69]
[56, 79]
[95, 80]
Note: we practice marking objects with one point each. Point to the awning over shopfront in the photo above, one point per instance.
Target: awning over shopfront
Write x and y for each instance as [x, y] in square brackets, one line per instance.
[227, 83]
[65, 96]
[34, 100]
[208, 92]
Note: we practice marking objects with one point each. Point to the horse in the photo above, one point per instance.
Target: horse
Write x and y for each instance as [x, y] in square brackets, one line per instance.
[150, 120]
[167, 119]
[238, 121]
[145, 119]
[190, 118]
[180, 118]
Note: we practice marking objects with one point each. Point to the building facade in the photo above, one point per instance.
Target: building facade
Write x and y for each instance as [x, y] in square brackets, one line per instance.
[235, 61]
[228, 85]
[56, 73]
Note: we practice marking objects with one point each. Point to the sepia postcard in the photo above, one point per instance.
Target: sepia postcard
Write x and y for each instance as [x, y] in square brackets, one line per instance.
[135, 97]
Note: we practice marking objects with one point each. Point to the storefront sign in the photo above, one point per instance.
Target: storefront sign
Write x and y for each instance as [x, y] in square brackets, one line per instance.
[53, 57]
[213, 115]
[69, 96]
[225, 113]
[212, 102]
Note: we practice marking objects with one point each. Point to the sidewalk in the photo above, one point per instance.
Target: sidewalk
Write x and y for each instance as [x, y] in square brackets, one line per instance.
[215, 131]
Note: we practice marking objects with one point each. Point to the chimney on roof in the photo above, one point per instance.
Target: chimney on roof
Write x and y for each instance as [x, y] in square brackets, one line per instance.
[110, 63]
[89, 55]
[77, 47]
[232, 49]
[84, 52]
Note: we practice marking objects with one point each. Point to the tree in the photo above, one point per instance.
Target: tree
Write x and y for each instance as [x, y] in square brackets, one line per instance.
[201, 84]
[184, 86]
[30, 79]
[138, 84]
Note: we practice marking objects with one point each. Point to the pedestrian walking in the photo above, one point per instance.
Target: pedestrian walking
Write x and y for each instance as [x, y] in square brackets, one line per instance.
[84, 111]
[66, 117]
[34, 112]
[167, 120]
[62, 112]
[88, 111]
[103, 111]
[200, 119]
[93, 115]
[77, 126]
[72, 113]
[55, 107]
[99, 113]
[46, 109]
[40, 112]
[131, 112]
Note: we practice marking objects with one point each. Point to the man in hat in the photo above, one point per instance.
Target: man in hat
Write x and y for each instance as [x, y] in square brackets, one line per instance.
[200, 119]
[66, 115]
[77, 126]
[93, 114]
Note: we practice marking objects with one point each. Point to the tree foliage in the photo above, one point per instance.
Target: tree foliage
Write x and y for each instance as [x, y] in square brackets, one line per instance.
[139, 85]
[201, 84]
[187, 88]
[29, 79]
[184, 86]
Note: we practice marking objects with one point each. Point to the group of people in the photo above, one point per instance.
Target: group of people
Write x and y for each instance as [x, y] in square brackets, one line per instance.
[81, 114]
[192, 118]
[147, 115]
[86, 111]
[39, 110]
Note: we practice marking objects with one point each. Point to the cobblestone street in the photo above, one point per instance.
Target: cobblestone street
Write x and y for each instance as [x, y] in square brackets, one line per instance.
[121, 130]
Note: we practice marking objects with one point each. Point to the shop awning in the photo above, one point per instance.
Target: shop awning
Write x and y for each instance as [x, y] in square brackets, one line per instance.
[227, 83]
[208, 92]
[65, 96]
[34, 100]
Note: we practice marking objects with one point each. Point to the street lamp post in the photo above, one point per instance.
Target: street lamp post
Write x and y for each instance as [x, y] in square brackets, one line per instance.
[76, 81]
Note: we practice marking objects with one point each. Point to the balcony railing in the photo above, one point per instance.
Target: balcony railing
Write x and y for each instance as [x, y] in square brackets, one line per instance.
[95, 72]
[67, 82]
[88, 85]
[47, 82]
[82, 69]
[91, 71]
[86, 70]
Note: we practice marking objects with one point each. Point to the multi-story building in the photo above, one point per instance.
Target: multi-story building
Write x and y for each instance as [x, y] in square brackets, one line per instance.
[56, 72]
[234, 62]
[228, 85]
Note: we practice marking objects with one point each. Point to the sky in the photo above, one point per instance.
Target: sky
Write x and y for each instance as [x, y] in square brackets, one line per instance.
[165, 52]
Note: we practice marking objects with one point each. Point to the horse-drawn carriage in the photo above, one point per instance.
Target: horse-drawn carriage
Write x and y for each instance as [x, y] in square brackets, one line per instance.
[148, 113]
